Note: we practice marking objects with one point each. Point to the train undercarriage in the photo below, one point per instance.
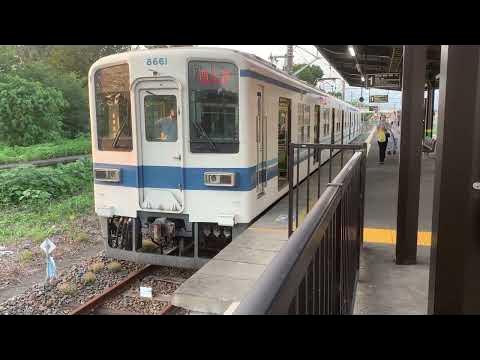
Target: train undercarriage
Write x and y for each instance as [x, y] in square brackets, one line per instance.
[164, 240]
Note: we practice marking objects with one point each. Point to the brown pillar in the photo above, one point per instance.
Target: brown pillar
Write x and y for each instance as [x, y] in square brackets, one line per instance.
[414, 60]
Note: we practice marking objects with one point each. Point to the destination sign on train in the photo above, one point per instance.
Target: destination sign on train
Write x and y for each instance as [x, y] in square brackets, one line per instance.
[214, 74]
[378, 99]
[385, 80]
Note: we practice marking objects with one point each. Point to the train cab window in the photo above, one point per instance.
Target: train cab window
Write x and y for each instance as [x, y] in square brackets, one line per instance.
[161, 118]
[112, 106]
[213, 104]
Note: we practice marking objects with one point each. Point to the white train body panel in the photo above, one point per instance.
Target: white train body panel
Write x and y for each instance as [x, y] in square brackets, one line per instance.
[149, 170]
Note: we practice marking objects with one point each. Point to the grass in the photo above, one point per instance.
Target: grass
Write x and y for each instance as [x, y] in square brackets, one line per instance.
[67, 288]
[81, 236]
[96, 267]
[25, 256]
[89, 278]
[114, 266]
[36, 222]
[64, 147]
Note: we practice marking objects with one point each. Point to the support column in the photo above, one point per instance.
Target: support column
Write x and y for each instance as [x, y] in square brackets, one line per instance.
[454, 286]
[414, 60]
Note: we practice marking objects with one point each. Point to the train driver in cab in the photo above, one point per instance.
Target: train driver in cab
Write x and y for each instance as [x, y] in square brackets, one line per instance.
[168, 127]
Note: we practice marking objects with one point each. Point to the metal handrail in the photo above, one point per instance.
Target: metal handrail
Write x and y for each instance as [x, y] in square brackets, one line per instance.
[282, 279]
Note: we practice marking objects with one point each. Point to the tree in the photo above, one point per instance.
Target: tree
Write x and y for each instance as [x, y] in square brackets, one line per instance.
[75, 115]
[163, 46]
[30, 113]
[29, 53]
[155, 46]
[79, 58]
[358, 104]
[312, 74]
[8, 59]
[337, 94]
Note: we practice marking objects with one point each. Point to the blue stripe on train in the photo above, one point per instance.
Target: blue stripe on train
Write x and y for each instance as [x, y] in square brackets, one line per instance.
[169, 177]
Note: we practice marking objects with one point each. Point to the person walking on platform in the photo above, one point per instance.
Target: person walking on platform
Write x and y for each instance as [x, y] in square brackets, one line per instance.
[382, 142]
[394, 139]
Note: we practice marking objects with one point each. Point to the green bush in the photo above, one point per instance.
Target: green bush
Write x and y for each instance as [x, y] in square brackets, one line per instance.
[30, 113]
[64, 147]
[76, 114]
[28, 184]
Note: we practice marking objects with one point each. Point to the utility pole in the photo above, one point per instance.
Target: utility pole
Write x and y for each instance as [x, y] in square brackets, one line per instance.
[289, 66]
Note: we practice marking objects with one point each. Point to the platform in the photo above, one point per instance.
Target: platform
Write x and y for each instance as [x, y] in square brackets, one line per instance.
[384, 287]
[220, 285]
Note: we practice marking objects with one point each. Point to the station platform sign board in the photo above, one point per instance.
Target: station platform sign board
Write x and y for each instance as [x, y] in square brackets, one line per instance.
[373, 108]
[378, 99]
[385, 81]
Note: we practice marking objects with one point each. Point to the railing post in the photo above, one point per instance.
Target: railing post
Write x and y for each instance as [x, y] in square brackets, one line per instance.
[316, 271]
[363, 181]
[291, 161]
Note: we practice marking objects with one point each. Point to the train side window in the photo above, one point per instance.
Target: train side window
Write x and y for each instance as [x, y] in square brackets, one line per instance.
[325, 122]
[306, 125]
[300, 128]
[112, 106]
[161, 118]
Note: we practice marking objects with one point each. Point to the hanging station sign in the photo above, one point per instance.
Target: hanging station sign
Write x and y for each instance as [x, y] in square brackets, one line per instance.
[378, 99]
[385, 81]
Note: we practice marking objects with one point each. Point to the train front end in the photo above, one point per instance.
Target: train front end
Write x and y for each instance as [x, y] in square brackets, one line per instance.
[165, 134]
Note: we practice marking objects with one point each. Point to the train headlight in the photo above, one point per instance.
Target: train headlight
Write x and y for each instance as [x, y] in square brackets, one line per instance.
[107, 175]
[227, 232]
[206, 230]
[219, 179]
[216, 231]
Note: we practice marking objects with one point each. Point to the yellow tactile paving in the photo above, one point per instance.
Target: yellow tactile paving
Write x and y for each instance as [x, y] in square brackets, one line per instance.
[388, 236]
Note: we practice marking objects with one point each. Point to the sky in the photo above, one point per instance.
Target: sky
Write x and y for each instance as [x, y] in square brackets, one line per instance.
[303, 54]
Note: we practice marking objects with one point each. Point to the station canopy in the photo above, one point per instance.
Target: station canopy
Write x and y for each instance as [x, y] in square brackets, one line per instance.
[375, 59]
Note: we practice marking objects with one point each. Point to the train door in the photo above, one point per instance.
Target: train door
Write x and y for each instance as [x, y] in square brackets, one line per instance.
[342, 129]
[316, 139]
[261, 143]
[284, 126]
[350, 125]
[334, 127]
[160, 150]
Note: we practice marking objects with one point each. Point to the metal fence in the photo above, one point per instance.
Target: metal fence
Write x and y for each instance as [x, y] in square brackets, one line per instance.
[316, 272]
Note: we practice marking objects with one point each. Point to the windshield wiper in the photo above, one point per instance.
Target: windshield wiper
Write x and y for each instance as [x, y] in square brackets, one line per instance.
[116, 138]
[204, 133]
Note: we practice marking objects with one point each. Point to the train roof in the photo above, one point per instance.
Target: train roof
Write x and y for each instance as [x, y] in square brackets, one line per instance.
[255, 60]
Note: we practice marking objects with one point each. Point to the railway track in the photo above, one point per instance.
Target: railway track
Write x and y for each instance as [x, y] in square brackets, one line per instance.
[106, 302]
[45, 162]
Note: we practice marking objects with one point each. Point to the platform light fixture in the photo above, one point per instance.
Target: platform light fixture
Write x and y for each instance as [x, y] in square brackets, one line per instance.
[351, 50]
[363, 78]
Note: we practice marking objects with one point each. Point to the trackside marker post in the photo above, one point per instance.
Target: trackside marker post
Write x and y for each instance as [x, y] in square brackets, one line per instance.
[47, 247]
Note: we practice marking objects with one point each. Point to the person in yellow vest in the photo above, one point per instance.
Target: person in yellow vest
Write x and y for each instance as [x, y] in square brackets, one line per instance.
[382, 140]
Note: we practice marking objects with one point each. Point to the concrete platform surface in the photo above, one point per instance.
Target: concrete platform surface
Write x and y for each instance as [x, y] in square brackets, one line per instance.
[384, 287]
[220, 285]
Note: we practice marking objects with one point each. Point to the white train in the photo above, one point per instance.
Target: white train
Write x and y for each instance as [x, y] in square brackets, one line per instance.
[190, 145]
